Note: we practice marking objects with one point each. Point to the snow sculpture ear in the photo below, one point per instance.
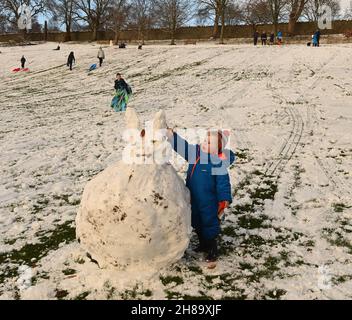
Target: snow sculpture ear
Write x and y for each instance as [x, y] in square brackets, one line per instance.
[131, 118]
[159, 121]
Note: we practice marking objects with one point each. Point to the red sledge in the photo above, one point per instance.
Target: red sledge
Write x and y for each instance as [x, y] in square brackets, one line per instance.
[19, 69]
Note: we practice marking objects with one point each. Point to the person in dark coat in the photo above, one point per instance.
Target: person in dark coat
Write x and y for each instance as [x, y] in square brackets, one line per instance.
[318, 37]
[71, 59]
[121, 84]
[255, 37]
[23, 61]
[263, 37]
[272, 38]
[209, 183]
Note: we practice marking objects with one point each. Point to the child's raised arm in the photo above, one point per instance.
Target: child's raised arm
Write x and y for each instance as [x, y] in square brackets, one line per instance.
[182, 147]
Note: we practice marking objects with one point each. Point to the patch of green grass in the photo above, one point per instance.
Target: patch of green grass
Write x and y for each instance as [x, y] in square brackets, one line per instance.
[171, 279]
[29, 254]
[82, 296]
[195, 269]
[337, 239]
[68, 272]
[250, 222]
[340, 207]
[61, 294]
[274, 294]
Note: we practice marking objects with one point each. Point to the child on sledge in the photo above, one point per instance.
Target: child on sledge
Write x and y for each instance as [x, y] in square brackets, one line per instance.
[123, 92]
[209, 183]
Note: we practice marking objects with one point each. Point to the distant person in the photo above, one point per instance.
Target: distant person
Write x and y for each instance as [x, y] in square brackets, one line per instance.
[255, 37]
[318, 37]
[279, 37]
[140, 47]
[122, 45]
[264, 38]
[71, 59]
[23, 62]
[58, 47]
[101, 56]
[315, 39]
[272, 38]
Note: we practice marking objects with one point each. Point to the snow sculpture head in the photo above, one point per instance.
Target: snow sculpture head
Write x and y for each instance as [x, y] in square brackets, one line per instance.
[134, 216]
[146, 145]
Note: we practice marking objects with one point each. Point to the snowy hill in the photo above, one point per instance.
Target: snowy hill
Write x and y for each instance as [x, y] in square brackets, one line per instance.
[290, 112]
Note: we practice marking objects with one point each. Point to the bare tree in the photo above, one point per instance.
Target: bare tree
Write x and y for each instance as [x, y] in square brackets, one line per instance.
[172, 14]
[117, 18]
[276, 8]
[233, 14]
[313, 9]
[63, 12]
[142, 17]
[11, 12]
[255, 12]
[296, 8]
[210, 10]
[94, 13]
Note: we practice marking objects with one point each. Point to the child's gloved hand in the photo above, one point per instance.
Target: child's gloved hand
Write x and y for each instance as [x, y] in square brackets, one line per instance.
[221, 209]
[169, 133]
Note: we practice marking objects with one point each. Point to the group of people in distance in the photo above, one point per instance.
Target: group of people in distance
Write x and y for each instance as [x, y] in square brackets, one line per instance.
[264, 38]
[315, 39]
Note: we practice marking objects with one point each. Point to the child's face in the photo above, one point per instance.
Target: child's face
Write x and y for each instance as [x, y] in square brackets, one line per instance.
[211, 143]
[118, 77]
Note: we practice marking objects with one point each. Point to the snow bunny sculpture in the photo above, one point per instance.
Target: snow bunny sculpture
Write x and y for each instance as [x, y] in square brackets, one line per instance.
[135, 215]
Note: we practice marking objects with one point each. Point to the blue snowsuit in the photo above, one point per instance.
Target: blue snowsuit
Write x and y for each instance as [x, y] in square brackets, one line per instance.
[315, 40]
[209, 183]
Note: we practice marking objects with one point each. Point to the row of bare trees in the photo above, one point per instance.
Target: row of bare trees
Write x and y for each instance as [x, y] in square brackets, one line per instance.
[169, 15]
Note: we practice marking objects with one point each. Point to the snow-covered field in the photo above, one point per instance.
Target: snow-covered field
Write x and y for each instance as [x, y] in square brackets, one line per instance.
[289, 234]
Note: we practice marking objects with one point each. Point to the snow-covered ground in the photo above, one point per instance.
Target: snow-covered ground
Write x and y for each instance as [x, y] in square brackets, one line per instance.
[289, 234]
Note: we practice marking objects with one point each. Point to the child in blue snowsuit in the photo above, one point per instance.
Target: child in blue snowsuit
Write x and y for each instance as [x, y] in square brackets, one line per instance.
[209, 183]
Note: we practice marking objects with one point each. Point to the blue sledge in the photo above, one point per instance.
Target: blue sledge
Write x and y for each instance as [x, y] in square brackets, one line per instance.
[92, 67]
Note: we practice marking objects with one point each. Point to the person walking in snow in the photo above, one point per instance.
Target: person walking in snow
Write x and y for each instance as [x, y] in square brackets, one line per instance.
[318, 34]
[255, 37]
[279, 37]
[23, 61]
[209, 183]
[101, 56]
[123, 93]
[264, 38]
[71, 58]
[272, 38]
[315, 40]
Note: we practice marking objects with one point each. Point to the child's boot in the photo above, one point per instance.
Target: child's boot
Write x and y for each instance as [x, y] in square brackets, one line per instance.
[202, 245]
[212, 253]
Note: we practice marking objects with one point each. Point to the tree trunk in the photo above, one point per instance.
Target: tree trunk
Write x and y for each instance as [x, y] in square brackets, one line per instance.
[117, 36]
[173, 37]
[216, 25]
[295, 13]
[276, 27]
[45, 30]
[222, 26]
[68, 33]
[95, 33]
